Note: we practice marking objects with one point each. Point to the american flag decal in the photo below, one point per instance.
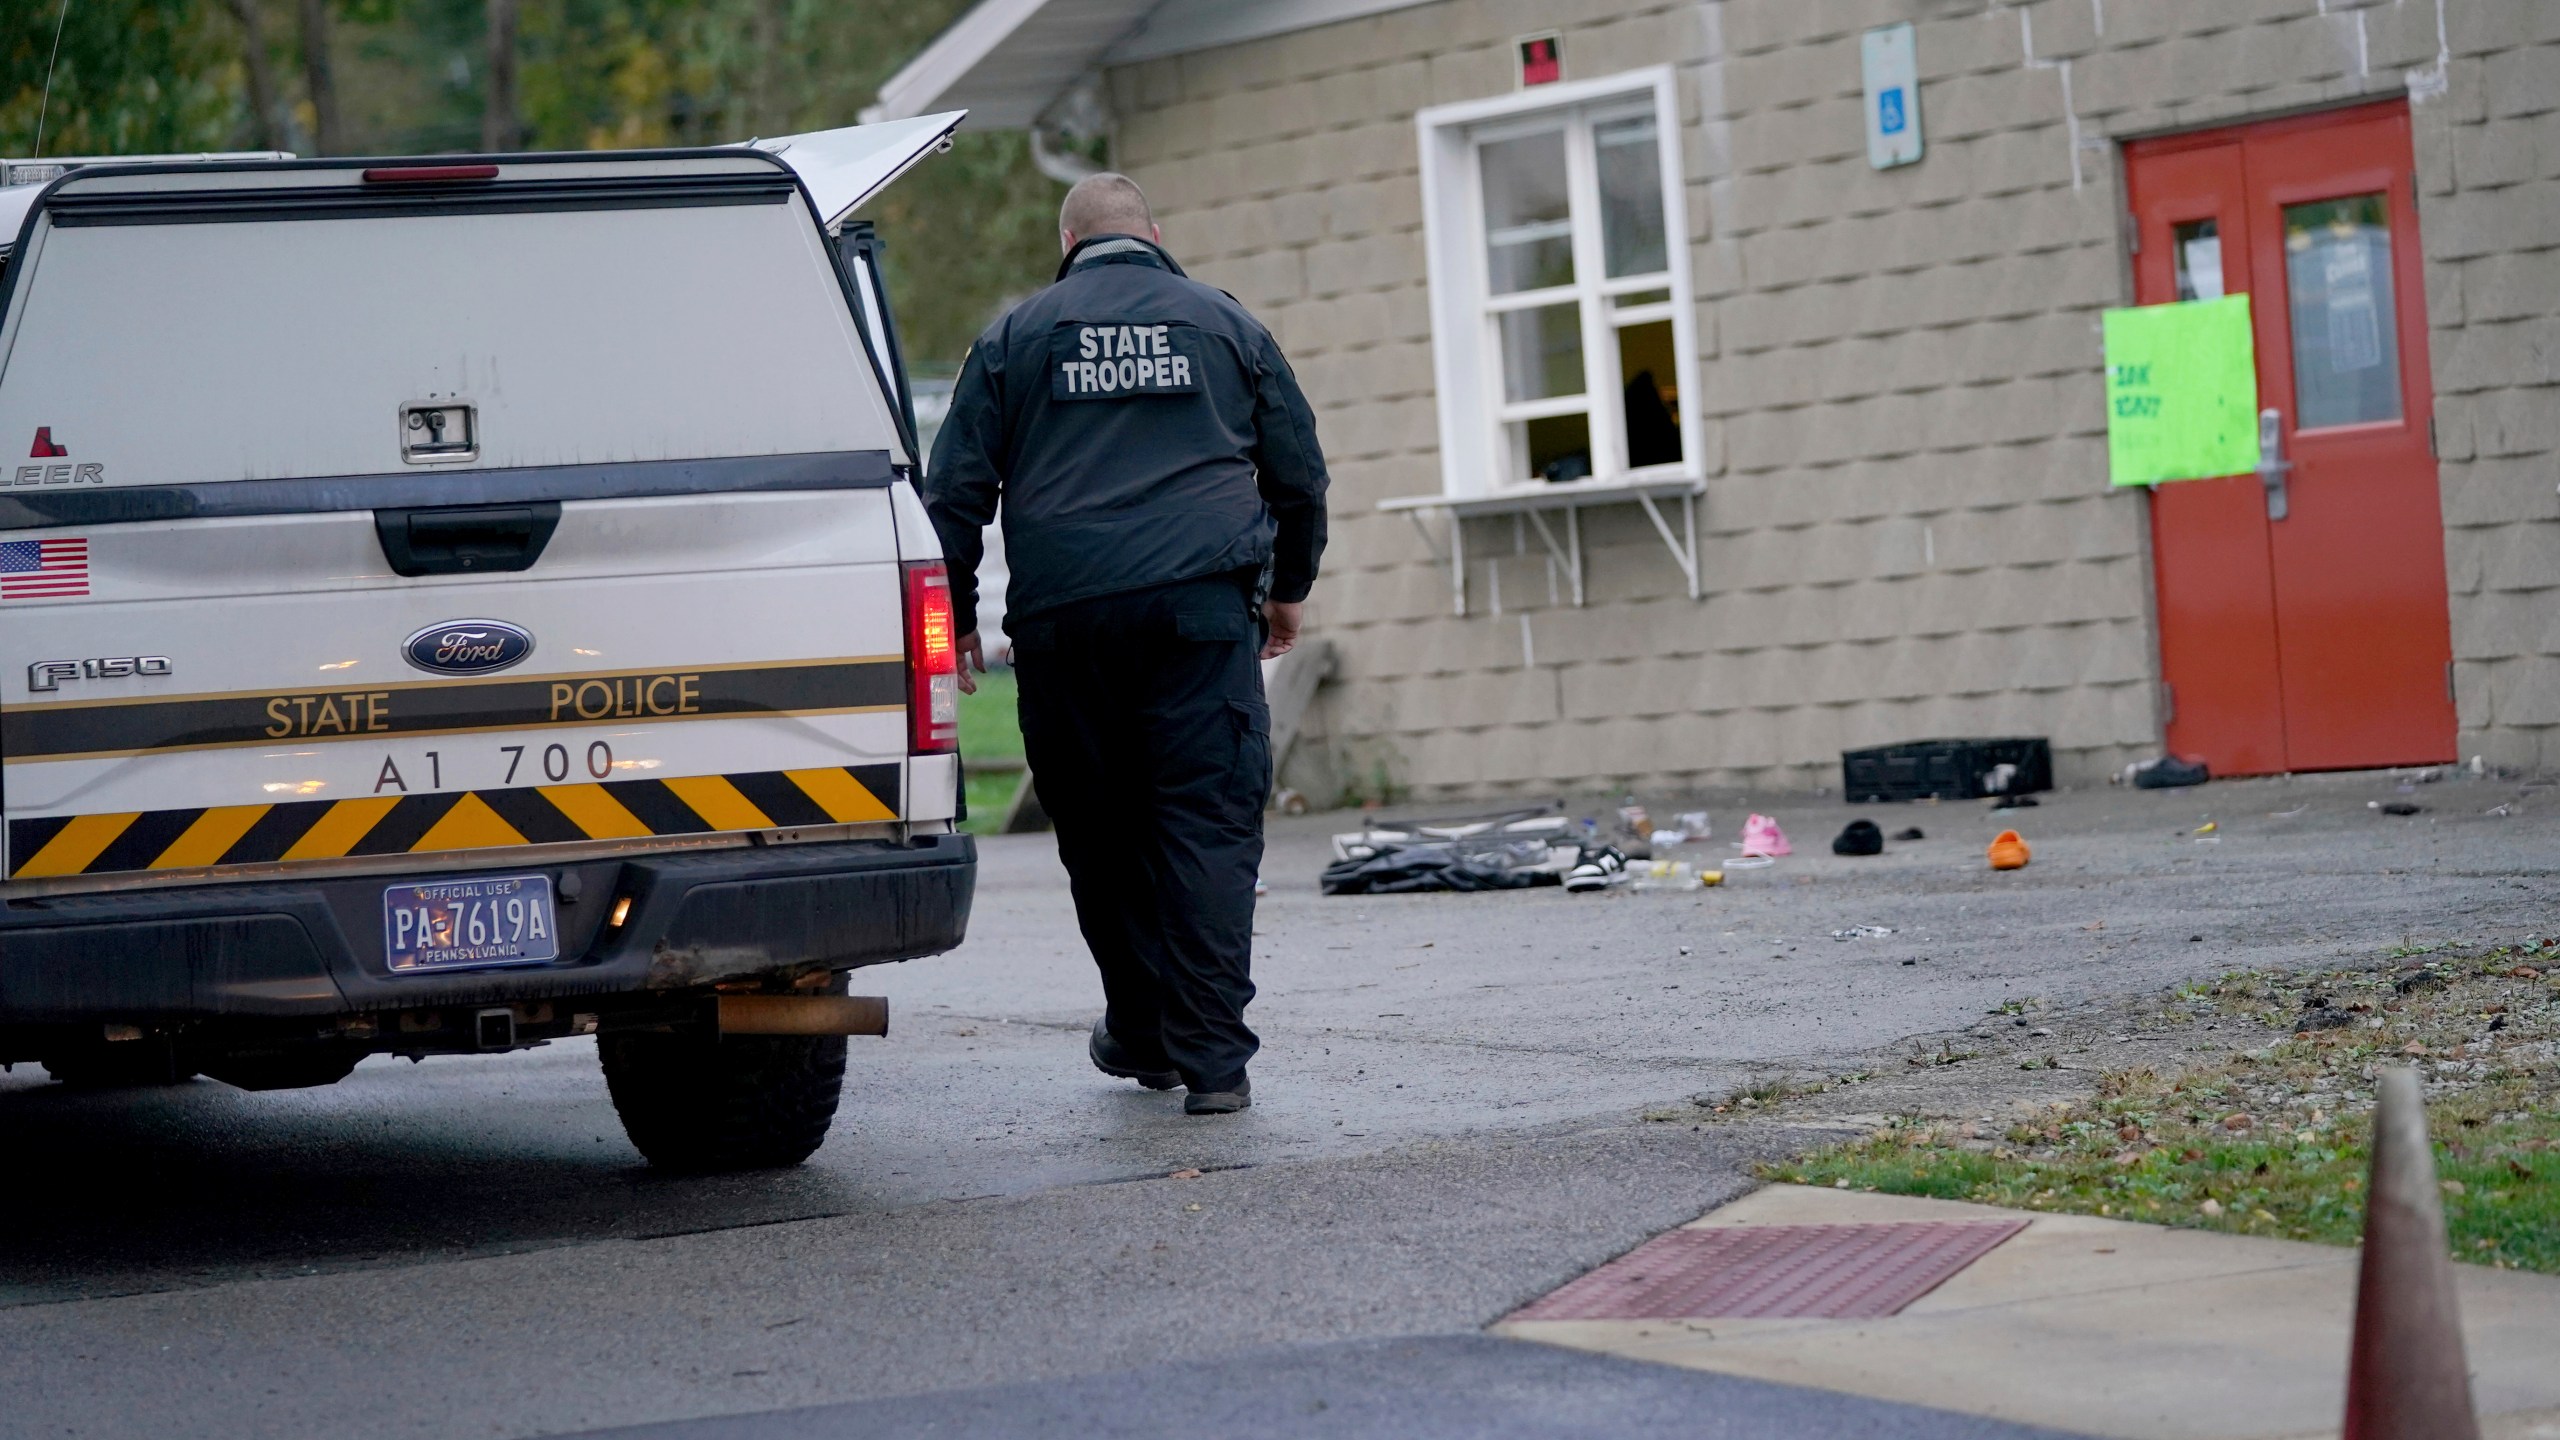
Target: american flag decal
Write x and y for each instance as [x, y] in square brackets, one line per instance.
[44, 569]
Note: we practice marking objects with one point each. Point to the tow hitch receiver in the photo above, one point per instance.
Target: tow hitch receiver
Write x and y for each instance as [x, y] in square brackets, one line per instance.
[804, 1014]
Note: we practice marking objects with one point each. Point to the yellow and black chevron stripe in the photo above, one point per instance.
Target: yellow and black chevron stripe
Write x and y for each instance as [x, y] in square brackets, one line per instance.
[452, 820]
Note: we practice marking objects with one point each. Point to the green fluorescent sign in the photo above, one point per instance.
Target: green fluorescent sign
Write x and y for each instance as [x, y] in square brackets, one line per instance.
[2182, 392]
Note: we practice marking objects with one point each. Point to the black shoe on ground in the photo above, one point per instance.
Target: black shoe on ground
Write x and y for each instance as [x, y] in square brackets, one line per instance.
[1111, 1058]
[1219, 1102]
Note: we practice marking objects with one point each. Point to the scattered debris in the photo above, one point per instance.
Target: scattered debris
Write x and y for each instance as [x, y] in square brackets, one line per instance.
[2016, 802]
[2394, 807]
[1909, 834]
[1859, 837]
[1761, 836]
[1289, 802]
[1863, 932]
[2207, 828]
[1597, 869]
[2008, 851]
[1191, 1173]
[1509, 851]
[2169, 772]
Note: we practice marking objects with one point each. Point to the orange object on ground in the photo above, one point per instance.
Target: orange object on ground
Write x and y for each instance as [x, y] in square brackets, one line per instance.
[2008, 852]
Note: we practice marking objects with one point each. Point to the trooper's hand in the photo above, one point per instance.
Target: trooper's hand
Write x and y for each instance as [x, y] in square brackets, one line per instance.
[1282, 616]
[970, 659]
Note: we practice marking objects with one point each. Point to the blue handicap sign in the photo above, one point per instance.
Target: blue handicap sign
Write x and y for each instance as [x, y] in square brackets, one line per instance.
[1889, 116]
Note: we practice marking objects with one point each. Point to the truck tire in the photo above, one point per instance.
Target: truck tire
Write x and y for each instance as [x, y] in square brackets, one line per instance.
[698, 1102]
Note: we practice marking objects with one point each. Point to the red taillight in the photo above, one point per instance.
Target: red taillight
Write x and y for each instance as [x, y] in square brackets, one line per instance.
[933, 660]
[427, 174]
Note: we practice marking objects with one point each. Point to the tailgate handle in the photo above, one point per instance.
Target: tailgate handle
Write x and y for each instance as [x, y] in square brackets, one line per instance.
[466, 539]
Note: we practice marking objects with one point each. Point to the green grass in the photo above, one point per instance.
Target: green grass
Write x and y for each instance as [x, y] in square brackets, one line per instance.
[2274, 1141]
[990, 729]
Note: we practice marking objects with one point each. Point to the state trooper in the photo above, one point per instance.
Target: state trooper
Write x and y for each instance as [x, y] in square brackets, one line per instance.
[1163, 506]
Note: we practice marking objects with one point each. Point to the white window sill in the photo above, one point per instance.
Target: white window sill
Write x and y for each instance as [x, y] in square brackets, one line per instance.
[1533, 501]
[1542, 495]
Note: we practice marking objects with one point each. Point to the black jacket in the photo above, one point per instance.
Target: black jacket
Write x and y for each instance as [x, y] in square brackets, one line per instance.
[1140, 427]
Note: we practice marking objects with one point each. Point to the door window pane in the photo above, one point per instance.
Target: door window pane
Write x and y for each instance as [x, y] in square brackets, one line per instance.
[2346, 351]
[1557, 448]
[1542, 352]
[1528, 216]
[2197, 249]
[1630, 167]
[1647, 357]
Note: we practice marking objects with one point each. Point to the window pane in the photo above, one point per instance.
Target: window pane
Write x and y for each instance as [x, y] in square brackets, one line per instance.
[1528, 217]
[1640, 297]
[2346, 350]
[2196, 249]
[1542, 352]
[1648, 357]
[1557, 449]
[1630, 166]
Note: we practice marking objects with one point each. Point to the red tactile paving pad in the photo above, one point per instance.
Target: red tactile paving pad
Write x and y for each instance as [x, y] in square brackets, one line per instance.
[1769, 1271]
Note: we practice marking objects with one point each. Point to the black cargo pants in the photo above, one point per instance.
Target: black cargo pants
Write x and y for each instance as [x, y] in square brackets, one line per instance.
[1144, 724]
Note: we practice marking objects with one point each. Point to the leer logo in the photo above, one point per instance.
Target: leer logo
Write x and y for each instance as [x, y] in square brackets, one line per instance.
[48, 448]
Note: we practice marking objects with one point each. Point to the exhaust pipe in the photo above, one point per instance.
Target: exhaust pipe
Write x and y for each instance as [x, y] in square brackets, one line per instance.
[804, 1014]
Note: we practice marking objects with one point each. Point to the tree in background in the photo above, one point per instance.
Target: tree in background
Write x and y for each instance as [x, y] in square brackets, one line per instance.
[500, 126]
[266, 115]
[967, 232]
[320, 78]
[134, 76]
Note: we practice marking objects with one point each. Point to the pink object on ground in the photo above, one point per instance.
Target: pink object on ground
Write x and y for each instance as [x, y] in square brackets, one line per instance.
[1761, 836]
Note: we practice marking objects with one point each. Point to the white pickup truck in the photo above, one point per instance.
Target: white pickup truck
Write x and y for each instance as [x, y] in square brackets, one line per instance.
[449, 605]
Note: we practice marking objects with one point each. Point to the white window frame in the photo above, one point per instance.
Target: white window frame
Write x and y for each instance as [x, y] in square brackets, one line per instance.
[1475, 416]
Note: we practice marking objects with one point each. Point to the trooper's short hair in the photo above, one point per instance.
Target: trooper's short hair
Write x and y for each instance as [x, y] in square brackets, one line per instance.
[1106, 204]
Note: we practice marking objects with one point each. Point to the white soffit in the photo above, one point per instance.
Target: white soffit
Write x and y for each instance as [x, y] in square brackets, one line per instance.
[1005, 61]
[1179, 26]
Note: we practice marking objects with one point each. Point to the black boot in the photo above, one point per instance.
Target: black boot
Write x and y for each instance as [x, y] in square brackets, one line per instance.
[1112, 1058]
[1219, 1102]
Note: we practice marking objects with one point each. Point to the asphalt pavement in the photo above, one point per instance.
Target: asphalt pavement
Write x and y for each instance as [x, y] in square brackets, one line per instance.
[1445, 1126]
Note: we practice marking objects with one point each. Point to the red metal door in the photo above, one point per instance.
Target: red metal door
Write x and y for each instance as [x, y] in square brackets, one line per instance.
[2303, 611]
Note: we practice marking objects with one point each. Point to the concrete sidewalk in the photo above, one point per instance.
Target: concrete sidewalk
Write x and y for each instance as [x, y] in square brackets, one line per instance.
[2104, 1327]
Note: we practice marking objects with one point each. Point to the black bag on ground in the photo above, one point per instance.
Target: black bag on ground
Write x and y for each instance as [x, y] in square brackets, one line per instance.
[1404, 869]
[1860, 838]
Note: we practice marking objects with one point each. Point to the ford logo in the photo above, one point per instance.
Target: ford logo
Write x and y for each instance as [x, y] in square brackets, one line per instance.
[467, 647]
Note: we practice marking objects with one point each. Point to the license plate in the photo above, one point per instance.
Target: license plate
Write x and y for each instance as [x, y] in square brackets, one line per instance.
[464, 924]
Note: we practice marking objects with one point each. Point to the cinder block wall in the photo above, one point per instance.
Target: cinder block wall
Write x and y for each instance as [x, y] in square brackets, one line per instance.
[1907, 530]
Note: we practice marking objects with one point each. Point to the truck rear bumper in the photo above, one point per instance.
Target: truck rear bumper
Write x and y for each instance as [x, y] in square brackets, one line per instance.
[315, 947]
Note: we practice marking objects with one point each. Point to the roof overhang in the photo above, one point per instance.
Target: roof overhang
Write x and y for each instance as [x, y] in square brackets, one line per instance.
[1005, 61]
[1008, 61]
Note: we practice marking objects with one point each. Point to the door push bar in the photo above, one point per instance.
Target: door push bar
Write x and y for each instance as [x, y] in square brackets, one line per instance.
[2271, 462]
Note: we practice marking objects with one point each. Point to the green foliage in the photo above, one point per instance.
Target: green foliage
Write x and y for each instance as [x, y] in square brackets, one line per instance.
[990, 729]
[135, 76]
[968, 232]
[990, 726]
